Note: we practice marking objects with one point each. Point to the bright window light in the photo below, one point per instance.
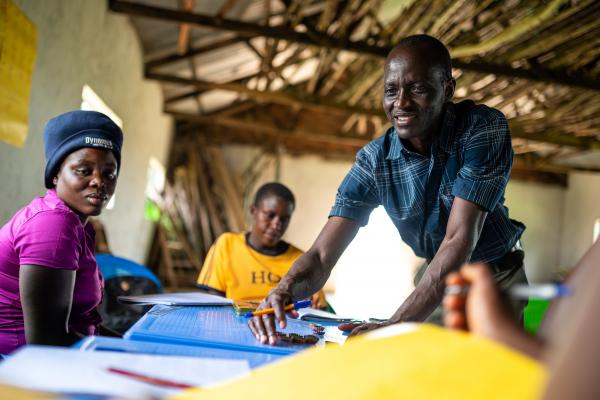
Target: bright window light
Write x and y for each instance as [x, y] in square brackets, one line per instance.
[90, 101]
[155, 180]
[375, 273]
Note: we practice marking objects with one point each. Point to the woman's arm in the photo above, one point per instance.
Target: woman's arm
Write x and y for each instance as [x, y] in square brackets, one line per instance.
[46, 299]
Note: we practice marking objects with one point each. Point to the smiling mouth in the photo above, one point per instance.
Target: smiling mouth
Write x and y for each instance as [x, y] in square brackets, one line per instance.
[97, 198]
[404, 119]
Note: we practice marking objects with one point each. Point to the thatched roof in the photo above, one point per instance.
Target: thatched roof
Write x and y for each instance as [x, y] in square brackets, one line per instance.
[305, 75]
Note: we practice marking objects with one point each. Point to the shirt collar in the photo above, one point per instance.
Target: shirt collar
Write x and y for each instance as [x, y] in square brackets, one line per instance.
[444, 141]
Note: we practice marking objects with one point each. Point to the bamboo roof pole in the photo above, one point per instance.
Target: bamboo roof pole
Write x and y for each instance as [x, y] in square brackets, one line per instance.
[548, 42]
[569, 53]
[510, 33]
[204, 220]
[447, 15]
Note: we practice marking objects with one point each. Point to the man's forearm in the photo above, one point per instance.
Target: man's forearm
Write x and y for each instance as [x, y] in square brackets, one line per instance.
[305, 277]
[430, 290]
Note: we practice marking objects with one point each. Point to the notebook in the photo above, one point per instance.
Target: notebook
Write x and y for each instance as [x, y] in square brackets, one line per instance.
[314, 315]
[217, 327]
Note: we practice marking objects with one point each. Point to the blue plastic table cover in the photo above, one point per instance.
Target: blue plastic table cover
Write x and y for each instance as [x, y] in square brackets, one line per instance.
[212, 326]
[104, 343]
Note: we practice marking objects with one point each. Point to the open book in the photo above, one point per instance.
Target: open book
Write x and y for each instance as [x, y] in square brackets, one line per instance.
[177, 299]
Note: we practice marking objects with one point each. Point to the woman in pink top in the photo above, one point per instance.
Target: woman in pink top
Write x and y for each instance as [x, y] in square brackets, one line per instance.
[50, 284]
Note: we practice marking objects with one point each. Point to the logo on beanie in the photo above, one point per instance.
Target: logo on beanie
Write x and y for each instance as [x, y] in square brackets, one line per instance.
[98, 142]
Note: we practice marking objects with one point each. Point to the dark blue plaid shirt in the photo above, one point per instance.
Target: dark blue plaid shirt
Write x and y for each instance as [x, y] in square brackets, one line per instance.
[471, 159]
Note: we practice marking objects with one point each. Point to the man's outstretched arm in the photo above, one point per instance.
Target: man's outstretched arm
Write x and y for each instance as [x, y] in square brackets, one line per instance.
[306, 276]
[462, 233]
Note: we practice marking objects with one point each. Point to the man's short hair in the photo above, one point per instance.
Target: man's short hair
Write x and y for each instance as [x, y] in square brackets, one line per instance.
[274, 189]
[437, 49]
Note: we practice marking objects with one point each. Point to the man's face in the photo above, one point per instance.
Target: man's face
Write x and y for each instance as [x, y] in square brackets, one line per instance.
[414, 93]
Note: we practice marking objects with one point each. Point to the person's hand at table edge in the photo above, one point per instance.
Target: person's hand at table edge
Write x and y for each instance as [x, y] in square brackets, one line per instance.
[358, 328]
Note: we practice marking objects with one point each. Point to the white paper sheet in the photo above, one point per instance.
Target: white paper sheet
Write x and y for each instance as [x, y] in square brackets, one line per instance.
[62, 370]
[178, 299]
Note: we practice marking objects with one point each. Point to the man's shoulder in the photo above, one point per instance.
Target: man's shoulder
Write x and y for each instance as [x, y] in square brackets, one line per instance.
[378, 147]
[469, 114]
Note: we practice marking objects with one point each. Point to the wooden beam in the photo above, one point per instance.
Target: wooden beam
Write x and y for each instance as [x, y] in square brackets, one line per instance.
[323, 40]
[345, 144]
[555, 137]
[174, 57]
[183, 41]
[547, 178]
[183, 96]
[275, 97]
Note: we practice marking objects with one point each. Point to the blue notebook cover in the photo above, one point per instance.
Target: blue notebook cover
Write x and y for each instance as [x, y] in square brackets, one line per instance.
[217, 327]
[104, 343]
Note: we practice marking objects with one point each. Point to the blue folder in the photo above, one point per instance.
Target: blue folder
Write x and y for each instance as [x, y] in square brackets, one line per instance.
[214, 327]
[104, 343]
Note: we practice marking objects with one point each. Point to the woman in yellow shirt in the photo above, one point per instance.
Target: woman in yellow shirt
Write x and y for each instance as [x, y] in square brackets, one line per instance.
[247, 265]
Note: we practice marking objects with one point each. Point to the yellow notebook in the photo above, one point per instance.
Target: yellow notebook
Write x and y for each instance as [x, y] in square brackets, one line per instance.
[243, 307]
[427, 363]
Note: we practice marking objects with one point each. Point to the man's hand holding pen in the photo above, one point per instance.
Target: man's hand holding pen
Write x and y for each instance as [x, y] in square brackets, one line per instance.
[263, 326]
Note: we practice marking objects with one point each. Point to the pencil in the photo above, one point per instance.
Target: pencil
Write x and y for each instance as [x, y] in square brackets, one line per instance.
[293, 306]
[149, 379]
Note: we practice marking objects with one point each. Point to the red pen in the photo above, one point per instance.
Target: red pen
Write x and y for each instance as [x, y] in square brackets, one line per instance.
[149, 379]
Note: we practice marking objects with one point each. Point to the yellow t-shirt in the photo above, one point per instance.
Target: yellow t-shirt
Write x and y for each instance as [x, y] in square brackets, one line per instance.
[242, 273]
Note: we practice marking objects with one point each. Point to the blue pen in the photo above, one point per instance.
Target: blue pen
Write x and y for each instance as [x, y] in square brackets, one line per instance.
[546, 291]
[293, 306]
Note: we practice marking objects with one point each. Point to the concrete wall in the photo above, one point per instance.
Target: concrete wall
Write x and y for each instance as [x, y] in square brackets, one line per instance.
[80, 43]
[540, 208]
[582, 208]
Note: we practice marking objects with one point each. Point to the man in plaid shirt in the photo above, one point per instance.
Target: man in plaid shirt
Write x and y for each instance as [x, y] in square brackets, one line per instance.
[440, 172]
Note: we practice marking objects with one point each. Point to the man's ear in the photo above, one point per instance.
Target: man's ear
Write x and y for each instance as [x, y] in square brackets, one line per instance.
[449, 88]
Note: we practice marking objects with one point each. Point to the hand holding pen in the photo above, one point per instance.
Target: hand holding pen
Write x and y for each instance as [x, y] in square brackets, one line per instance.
[263, 326]
[293, 306]
[484, 311]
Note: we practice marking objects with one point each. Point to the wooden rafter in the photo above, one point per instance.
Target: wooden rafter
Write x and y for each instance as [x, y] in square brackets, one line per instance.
[323, 40]
[547, 136]
[174, 57]
[343, 144]
[275, 97]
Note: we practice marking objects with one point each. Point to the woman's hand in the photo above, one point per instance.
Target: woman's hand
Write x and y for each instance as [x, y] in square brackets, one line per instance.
[480, 308]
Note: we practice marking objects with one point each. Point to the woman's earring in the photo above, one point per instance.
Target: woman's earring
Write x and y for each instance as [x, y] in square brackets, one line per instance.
[55, 180]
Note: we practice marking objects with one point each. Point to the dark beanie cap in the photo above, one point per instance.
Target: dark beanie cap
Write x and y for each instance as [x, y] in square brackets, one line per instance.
[75, 130]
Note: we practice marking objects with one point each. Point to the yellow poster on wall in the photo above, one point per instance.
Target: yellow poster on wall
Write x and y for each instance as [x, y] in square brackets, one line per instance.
[18, 38]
